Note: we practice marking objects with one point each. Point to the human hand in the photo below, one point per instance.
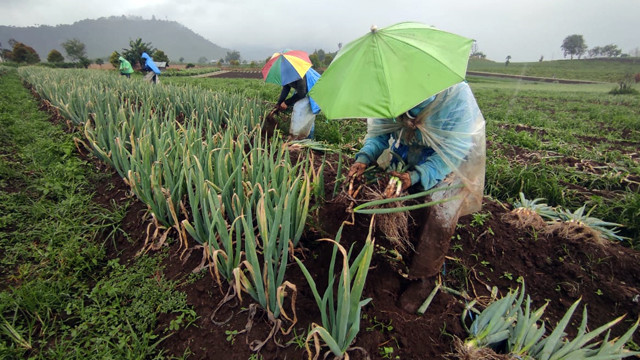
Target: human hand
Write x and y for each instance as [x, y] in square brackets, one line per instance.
[405, 177]
[282, 106]
[356, 170]
[398, 183]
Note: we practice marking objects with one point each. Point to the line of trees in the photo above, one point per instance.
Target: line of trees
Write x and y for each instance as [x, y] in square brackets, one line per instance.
[133, 54]
[574, 45]
[76, 52]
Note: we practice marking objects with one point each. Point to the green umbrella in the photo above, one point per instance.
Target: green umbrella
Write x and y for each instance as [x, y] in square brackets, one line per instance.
[388, 71]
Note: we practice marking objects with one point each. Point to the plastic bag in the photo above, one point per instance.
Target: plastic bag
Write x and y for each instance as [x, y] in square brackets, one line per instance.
[302, 119]
[449, 125]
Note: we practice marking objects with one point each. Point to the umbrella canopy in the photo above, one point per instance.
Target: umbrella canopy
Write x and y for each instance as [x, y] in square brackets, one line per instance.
[286, 67]
[388, 71]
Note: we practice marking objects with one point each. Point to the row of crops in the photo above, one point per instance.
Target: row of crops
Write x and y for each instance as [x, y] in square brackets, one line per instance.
[200, 163]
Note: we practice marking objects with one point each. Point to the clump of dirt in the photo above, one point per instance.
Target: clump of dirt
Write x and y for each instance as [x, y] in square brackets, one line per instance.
[524, 219]
[466, 352]
[576, 231]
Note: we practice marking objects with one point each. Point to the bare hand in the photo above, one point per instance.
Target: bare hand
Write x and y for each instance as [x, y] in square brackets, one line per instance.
[398, 183]
[356, 170]
[405, 177]
[282, 106]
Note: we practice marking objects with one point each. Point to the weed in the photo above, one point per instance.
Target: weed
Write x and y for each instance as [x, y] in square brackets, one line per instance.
[299, 339]
[479, 219]
[379, 325]
[231, 335]
[507, 275]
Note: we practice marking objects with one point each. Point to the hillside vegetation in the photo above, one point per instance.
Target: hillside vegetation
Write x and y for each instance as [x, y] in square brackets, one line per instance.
[104, 35]
[605, 70]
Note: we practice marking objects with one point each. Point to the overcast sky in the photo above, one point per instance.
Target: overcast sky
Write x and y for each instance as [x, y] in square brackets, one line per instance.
[523, 29]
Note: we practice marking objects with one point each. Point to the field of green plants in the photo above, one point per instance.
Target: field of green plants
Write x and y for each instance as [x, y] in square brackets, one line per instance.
[193, 152]
[601, 70]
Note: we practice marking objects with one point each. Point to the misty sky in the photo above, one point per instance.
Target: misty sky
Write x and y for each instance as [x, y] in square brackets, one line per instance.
[523, 29]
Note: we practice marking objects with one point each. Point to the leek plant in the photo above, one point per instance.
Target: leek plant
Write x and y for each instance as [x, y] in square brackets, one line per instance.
[341, 314]
[607, 230]
[263, 278]
[535, 205]
[506, 321]
[372, 207]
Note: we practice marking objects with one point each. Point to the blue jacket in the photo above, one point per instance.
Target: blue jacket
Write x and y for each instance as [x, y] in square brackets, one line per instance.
[441, 142]
[149, 65]
[302, 88]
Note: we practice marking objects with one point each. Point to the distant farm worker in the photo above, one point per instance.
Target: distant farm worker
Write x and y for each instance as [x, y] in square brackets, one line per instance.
[304, 108]
[151, 68]
[442, 143]
[125, 67]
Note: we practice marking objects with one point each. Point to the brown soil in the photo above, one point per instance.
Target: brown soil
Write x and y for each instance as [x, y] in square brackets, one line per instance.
[493, 253]
[234, 74]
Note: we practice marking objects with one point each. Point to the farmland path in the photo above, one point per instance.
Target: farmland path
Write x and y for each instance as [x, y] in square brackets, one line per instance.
[210, 74]
[533, 78]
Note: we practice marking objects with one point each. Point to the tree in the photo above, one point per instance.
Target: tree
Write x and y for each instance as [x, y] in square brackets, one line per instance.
[99, 62]
[202, 60]
[113, 59]
[75, 49]
[159, 55]
[611, 50]
[507, 60]
[314, 60]
[321, 55]
[232, 55]
[134, 53]
[181, 59]
[328, 58]
[55, 56]
[23, 53]
[573, 45]
[84, 62]
[6, 54]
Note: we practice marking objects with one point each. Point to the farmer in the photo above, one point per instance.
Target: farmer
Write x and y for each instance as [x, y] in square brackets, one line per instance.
[150, 66]
[125, 67]
[442, 140]
[304, 108]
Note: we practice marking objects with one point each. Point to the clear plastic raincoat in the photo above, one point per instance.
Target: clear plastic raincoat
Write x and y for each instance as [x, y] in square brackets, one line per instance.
[443, 134]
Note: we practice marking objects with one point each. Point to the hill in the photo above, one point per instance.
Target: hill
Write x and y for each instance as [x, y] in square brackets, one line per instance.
[598, 69]
[104, 35]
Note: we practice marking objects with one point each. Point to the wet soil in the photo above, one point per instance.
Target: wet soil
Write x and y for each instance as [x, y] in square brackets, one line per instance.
[484, 253]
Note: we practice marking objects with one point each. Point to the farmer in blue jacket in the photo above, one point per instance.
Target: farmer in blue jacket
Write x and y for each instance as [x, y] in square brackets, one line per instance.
[441, 141]
[150, 66]
[304, 108]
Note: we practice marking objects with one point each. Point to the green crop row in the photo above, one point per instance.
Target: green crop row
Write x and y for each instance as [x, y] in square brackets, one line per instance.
[200, 163]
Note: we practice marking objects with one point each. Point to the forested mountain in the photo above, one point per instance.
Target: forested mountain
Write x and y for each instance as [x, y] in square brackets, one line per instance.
[104, 35]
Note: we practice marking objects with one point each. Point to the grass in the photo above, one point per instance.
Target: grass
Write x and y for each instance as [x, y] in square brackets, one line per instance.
[601, 70]
[60, 296]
